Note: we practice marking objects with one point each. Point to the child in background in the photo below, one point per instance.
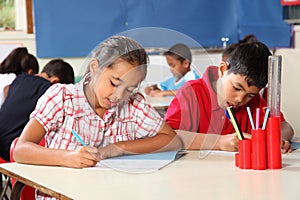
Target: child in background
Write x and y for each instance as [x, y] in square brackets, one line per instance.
[179, 58]
[22, 96]
[17, 62]
[103, 108]
[229, 49]
[197, 111]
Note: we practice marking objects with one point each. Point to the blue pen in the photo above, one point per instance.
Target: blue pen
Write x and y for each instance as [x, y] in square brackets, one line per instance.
[78, 137]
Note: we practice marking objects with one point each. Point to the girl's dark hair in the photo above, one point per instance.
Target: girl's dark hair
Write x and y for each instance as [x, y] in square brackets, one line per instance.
[60, 69]
[18, 61]
[250, 60]
[29, 62]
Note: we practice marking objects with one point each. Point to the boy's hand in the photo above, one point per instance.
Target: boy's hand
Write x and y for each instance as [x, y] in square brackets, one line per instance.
[156, 93]
[84, 156]
[151, 88]
[111, 150]
[230, 142]
[286, 146]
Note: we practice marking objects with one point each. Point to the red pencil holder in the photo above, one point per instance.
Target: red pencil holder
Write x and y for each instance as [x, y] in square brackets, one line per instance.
[245, 154]
[237, 159]
[259, 149]
[274, 143]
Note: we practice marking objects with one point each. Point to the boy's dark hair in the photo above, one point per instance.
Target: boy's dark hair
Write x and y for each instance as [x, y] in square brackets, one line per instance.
[180, 51]
[250, 60]
[18, 61]
[60, 69]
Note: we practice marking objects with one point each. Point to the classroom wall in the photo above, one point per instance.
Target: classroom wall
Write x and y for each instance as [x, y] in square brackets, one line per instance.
[158, 69]
[71, 31]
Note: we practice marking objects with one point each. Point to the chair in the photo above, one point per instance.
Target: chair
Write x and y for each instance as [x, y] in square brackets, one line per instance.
[7, 181]
[28, 193]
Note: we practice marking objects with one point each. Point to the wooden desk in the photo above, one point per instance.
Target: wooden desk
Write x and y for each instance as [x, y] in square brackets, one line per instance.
[194, 176]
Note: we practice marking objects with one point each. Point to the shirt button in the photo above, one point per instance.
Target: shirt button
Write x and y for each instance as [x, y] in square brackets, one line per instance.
[222, 117]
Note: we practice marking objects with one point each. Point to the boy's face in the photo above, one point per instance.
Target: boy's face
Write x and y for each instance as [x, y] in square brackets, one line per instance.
[236, 91]
[117, 83]
[177, 68]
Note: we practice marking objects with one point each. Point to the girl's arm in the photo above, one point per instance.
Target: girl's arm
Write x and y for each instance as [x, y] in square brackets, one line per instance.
[28, 151]
[165, 140]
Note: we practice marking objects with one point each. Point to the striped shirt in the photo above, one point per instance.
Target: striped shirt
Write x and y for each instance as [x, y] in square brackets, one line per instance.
[65, 107]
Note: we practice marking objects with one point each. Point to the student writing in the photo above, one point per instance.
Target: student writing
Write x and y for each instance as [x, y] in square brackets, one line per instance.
[197, 111]
[179, 59]
[17, 62]
[22, 97]
[103, 109]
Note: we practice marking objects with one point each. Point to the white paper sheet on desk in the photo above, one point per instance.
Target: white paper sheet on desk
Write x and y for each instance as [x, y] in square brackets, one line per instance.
[140, 163]
[295, 145]
[218, 152]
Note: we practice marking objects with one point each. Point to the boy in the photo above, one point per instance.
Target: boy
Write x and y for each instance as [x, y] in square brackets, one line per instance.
[197, 111]
[179, 58]
[22, 96]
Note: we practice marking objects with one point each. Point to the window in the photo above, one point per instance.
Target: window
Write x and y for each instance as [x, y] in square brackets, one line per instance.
[7, 14]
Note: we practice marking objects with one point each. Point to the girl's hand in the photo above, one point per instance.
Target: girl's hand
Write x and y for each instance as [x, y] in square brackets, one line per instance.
[286, 146]
[84, 156]
[111, 150]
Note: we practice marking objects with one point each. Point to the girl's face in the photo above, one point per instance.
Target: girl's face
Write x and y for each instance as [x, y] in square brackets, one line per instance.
[117, 83]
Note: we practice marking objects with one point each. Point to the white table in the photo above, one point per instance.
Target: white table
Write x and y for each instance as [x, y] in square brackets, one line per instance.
[161, 104]
[191, 177]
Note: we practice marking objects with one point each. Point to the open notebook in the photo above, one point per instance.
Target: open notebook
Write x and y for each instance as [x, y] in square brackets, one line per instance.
[142, 162]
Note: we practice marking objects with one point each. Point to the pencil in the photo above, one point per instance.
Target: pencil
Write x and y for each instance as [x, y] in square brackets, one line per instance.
[266, 119]
[235, 124]
[251, 119]
[257, 118]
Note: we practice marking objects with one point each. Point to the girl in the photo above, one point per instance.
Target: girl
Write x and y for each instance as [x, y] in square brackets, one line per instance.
[17, 62]
[103, 109]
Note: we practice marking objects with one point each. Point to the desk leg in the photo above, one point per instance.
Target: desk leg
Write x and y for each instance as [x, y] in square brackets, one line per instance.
[4, 189]
[17, 190]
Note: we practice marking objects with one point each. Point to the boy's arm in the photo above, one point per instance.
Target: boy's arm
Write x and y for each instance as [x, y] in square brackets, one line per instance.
[287, 131]
[151, 88]
[287, 134]
[201, 141]
[162, 93]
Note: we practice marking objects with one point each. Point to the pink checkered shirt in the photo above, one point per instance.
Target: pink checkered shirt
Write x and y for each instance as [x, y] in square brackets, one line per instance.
[65, 107]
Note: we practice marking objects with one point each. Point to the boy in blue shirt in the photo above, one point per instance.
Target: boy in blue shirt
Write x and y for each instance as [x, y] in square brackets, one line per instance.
[179, 58]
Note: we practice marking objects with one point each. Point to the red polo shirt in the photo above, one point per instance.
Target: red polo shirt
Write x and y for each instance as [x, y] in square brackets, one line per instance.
[195, 108]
